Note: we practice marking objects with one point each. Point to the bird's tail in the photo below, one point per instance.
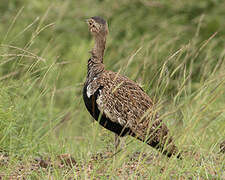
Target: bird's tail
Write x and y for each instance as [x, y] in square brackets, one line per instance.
[158, 137]
[167, 148]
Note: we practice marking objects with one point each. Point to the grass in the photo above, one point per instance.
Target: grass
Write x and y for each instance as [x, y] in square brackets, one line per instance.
[175, 52]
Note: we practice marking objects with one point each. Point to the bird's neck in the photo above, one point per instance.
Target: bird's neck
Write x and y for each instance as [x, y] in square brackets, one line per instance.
[99, 48]
[95, 63]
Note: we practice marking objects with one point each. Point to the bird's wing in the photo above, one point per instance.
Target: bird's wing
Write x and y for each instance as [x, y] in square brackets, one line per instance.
[124, 102]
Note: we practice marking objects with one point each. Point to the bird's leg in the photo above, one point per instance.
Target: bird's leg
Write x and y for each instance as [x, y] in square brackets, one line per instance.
[116, 142]
[119, 141]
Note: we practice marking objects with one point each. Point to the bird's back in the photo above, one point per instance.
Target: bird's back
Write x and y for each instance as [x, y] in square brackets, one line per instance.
[123, 101]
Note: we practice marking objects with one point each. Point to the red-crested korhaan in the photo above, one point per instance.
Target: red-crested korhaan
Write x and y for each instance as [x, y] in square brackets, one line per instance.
[118, 103]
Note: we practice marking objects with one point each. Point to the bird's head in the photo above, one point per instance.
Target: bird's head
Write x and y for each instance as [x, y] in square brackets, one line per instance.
[97, 26]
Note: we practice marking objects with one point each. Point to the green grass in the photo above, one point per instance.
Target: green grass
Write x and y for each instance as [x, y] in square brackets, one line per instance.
[174, 50]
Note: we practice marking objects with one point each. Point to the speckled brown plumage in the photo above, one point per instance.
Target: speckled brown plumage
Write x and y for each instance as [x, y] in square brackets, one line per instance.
[119, 103]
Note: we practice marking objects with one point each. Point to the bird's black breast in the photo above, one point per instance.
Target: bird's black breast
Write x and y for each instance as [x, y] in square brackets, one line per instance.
[92, 107]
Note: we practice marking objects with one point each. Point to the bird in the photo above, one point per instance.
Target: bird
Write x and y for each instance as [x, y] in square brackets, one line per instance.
[118, 103]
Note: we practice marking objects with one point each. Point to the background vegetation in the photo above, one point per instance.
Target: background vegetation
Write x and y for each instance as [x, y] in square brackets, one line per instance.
[174, 49]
